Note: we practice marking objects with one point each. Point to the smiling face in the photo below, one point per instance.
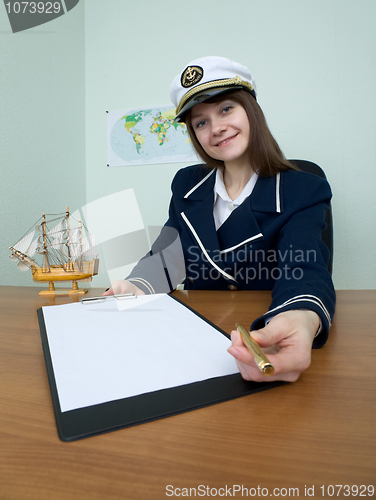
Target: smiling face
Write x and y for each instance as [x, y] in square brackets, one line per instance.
[222, 128]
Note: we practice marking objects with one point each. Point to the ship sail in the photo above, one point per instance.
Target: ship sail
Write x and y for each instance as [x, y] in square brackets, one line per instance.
[22, 245]
[32, 248]
[75, 245]
[22, 266]
[88, 246]
[23, 251]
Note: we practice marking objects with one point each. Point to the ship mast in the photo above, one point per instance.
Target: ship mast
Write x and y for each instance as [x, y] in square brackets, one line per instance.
[70, 264]
[81, 247]
[46, 264]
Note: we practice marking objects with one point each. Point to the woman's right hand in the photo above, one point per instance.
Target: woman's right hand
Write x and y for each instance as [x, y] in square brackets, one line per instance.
[123, 286]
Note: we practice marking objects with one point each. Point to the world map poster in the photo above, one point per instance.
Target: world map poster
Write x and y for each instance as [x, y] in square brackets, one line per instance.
[147, 136]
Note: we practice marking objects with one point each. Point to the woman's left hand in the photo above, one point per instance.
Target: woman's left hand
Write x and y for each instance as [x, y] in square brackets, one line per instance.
[287, 341]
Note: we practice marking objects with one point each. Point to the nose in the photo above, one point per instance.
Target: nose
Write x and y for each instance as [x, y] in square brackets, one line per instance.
[218, 126]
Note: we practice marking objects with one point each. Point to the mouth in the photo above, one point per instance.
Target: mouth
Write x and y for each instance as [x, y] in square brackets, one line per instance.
[226, 141]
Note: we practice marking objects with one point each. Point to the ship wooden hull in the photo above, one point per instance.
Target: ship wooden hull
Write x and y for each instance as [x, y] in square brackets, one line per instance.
[56, 273]
[60, 273]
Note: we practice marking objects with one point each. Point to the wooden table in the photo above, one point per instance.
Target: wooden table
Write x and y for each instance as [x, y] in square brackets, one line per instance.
[318, 431]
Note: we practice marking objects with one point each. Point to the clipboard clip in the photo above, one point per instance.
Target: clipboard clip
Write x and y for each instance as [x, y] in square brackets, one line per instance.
[102, 298]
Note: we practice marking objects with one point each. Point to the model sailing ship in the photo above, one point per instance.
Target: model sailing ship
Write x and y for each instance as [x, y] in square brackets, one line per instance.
[64, 253]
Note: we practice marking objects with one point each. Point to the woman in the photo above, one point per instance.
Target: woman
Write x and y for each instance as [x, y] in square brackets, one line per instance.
[246, 220]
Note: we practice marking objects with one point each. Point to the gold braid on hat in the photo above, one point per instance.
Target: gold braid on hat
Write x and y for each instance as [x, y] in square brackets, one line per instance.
[211, 85]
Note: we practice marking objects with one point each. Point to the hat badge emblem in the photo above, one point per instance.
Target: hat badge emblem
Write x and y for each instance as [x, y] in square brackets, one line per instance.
[191, 75]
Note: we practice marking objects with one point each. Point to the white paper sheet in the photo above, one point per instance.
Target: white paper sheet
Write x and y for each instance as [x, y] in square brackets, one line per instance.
[101, 353]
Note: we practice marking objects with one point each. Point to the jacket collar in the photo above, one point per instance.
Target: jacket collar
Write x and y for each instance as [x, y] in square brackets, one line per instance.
[266, 195]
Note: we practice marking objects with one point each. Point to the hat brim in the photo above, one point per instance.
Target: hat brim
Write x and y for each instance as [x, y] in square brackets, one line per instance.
[203, 96]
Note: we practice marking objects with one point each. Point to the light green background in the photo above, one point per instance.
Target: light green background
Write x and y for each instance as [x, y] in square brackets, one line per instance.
[314, 65]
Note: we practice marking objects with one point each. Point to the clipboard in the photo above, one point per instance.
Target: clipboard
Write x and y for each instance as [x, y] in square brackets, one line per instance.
[121, 413]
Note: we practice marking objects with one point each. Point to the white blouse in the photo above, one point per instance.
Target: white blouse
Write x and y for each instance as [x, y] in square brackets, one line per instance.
[223, 204]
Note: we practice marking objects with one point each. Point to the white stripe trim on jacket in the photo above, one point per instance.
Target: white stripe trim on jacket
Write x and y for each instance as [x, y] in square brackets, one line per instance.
[199, 184]
[259, 235]
[228, 276]
[305, 298]
[277, 193]
[143, 282]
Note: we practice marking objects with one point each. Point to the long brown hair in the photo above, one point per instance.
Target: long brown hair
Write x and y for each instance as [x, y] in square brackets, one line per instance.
[266, 156]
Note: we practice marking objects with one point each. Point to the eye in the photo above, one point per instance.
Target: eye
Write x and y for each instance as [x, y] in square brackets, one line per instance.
[200, 124]
[226, 109]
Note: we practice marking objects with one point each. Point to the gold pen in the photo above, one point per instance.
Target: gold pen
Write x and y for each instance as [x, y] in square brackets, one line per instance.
[262, 361]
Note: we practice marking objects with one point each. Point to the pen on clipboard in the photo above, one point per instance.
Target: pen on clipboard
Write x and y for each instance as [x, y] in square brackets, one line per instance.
[261, 360]
[120, 296]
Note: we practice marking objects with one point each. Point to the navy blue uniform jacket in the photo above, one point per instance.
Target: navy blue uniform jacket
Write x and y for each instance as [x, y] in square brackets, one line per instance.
[272, 241]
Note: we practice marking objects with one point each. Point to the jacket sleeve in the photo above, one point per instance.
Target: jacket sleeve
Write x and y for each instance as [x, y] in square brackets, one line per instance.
[304, 281]
[163, 268]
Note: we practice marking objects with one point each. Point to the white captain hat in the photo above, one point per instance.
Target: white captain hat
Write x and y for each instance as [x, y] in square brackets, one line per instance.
[206, 77]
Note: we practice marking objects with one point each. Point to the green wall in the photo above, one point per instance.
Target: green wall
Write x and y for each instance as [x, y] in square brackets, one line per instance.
[42, 127]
